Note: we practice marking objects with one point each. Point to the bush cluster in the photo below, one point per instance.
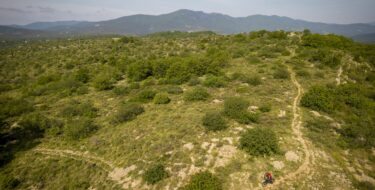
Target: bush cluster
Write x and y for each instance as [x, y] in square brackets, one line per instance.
[161, 98]
[214, 81]
[214, 121]
[177, 70]
[155, 174]
[281, 73]
[145, 96]
[128, 112]
[10, 107]
[204, 181]
[173, 90]
[103, 82]
[319, 98]
[197, 94]
[75, 108]
[236, 108]
[259, 142]
[77, 129]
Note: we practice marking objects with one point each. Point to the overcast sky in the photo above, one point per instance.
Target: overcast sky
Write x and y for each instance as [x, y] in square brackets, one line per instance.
[330, 11]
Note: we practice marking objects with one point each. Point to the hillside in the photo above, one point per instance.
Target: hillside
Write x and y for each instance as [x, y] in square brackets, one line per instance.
[190, 111]
[187, 20]
[365, 38]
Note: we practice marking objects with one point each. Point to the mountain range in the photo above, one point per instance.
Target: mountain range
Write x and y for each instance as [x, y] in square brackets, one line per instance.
[181, 20]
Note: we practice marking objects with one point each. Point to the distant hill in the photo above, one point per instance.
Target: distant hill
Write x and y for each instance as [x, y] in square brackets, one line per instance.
[365, 38]
[7, 32]
[48, 25]
[187, 20]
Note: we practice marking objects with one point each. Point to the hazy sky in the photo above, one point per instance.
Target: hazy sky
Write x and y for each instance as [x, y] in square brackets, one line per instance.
[331, 11]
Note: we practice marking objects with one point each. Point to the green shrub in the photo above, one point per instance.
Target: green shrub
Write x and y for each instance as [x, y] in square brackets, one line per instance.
[265, 108]
[138, 71]
[214, 81]
[204, 181]
[197, 94]
[13, 107]
[234, 106]
[75, 108]
[103, 82]
[246, 117]
[303, 73]
[77, 129]
[319, 98]
[254, 80]
[8, 182]
[155, 174]
[82, 75]
[179, 72]
[161, 98]
[194, 81]
[259, 142]
[214, 121]
[145, 96]
[173, 90]
[45, 79]
[253, 60]
[128, 112]
[134, 86]
[121, 90]
[33, 125]
[281, 73]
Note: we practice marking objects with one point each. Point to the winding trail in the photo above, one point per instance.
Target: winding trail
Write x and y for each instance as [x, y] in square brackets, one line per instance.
[80, 156]
[115, 174]
[296, 127]
[338, 78]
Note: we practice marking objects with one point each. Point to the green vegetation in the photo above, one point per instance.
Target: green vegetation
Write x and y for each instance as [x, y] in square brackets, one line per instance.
[128, 112]
[79, 128]
[145, 96]
[161, 98]
[204, 181]
[352, 103]
[155, 174]
[236, 108]
[214, 121]
[184, 99]
[197, 94]
[259, 142]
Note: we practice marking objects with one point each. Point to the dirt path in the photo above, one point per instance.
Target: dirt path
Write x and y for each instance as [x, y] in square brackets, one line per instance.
[338, 78]
[115, 174]
[296, 125]
[80, 156]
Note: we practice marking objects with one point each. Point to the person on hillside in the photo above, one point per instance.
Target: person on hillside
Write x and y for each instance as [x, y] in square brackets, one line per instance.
[268, 179]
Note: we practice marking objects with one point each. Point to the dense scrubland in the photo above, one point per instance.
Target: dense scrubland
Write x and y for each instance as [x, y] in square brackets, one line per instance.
[186, 110]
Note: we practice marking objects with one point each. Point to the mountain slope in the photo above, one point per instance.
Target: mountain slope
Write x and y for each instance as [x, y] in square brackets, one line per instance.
[186, 20]
[7, 32]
